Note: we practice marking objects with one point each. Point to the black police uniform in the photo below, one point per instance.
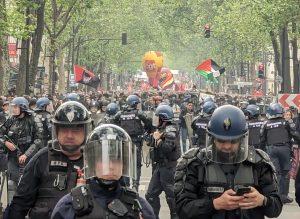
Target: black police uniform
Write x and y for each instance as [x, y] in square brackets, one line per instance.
[22, 132]
[135, 123]
[276, 135]
[254, 126]
[107, 119]
[92, 201]
[297, 187]
[48, 176]
[43, 121]
[199, 125]
[164, 157]
[198, 181]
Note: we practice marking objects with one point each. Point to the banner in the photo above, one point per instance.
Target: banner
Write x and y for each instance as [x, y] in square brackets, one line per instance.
[86, 77]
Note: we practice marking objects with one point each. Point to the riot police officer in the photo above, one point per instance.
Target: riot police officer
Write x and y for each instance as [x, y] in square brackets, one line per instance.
[135, 124]
[43, 118]
[228, 179]
[111, 111]
[108, 154]
[254, 125]
[200, 122]
[165, 150]
[72, 97]
[20, 138]
[276, 136]
[52, 172]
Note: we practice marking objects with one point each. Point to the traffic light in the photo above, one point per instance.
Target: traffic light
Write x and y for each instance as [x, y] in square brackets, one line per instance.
[261, 73]
[207, 31]
[124, 38]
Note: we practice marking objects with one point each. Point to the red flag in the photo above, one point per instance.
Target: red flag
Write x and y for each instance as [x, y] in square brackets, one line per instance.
[86, 77]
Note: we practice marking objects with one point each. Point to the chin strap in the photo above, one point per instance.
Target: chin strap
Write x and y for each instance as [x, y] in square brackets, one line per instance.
[107, 184]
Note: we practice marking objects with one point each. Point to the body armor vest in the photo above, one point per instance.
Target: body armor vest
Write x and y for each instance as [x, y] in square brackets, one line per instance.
[277, 133]
[254, 132]
[160, 156]
[199, 126]
[21, 133]
[60, 180]
[131, 123]
[44, 126]
[123, 207]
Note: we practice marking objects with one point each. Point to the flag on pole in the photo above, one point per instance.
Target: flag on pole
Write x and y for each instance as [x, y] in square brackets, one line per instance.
[210, 70]
[86, 77]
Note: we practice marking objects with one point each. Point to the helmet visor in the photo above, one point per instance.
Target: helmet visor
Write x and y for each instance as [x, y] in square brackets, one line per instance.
[229, 151]
[109, 159]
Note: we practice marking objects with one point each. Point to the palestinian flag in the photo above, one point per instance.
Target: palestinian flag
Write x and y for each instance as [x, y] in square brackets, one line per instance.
[210, 70]
[86, 77]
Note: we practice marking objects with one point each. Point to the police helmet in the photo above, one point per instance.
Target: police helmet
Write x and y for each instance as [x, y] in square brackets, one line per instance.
[132, 100]
[164, 112]
[252, 111]
[112, 109]
[109, 148]
[22, 103]
[42, 102]
[275, 110]
[209, 107]
[227, 125]
[72, 97]
[70, 114]
[208, 99]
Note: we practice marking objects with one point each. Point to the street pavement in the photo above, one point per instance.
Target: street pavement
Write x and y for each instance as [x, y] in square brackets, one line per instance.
[290, 211]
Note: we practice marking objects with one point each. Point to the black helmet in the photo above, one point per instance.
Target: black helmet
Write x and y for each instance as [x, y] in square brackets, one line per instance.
[252, 111]
[112, 109]
[164, 112]
[227, 122]
[132, 100]
[42, 102]
[209, 107]
[21, 102]
[70, 114]
[275, 110]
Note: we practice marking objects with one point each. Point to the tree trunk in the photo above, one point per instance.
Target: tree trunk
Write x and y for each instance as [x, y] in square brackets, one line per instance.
[285, 60]
[61, 72]
[295, 59]
[37, 42]
[2, 46]
[277, 63]
[21, 86]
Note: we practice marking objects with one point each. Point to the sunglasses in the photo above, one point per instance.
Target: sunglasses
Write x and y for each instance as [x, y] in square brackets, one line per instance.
[233, 141]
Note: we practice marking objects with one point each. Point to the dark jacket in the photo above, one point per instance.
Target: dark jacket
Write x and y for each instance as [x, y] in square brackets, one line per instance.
[64, 208]
[192, 200]
[297, 187]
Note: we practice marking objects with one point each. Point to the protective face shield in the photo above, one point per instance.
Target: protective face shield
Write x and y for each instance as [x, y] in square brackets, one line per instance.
[155, 120]
[109, 154]
[50, 108]
[14, 110]
[229, 151]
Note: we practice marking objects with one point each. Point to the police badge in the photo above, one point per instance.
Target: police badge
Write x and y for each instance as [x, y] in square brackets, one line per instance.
[227, 124]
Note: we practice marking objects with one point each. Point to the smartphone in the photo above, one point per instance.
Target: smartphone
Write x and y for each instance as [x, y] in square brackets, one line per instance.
[241, 190]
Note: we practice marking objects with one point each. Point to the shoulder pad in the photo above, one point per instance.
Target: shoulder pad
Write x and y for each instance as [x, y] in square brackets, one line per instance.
[171, 128]
[129, 195]
[186, 158]
[181, 168]
[262, 156]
